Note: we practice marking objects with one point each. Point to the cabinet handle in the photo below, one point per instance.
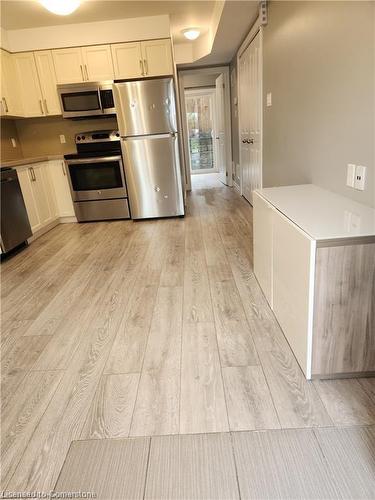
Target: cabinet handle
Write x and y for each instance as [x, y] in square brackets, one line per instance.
[45, 106]
[41, 106]
[83, 76]
[145, 66]
[32, 174]
[6, 105]
[63, 168]
[141, 65]
[87, 73]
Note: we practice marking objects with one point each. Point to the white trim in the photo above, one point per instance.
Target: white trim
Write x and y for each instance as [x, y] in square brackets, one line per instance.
[310, 318]
[68, 219]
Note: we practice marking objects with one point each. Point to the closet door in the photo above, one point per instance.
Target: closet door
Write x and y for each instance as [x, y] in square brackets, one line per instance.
[250, 80]
[244, 118]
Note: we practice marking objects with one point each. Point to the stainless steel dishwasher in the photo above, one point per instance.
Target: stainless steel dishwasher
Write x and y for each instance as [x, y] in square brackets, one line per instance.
[15, 225]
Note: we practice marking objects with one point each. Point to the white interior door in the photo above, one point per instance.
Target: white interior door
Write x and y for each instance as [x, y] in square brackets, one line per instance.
[220, 129]
[251, 118]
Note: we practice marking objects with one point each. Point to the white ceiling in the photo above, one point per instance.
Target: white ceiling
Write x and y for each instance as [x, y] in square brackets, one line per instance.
[18, 14]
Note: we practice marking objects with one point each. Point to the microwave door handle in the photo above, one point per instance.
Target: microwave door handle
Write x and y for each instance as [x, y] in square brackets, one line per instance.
[100, 100]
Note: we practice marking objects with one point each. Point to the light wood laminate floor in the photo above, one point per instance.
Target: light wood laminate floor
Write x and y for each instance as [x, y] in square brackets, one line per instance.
[135, 329]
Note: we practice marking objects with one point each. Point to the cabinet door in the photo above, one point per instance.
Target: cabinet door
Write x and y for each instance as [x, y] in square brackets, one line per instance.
[30, 94]
[157, 57]
[25, 180]
[63, 198]
[68, 65]
[11, 104]
[47, 80]
[293, 281]
[43, 194]
[262, 227]
[97, 61]
[127, 60]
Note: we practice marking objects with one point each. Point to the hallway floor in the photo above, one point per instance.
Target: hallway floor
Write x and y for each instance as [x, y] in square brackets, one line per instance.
[159, 328]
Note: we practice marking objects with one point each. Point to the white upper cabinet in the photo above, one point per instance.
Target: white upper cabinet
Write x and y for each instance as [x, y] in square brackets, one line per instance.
[68, 65]
[140, 59]
[157, 57]
[97, 63]
[30, 92]
[47, 80]
[11, 104]
[127, 60]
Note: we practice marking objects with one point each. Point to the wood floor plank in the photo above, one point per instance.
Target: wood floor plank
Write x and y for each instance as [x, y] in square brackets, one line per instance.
[201, 381]
[157, 405]
[346, 401]
[112, 469]
[9, 384]
[191, 467]
[249, 401]
[21, 416]
[284, 464]
[129, 346]
[173, 269]
[112, 409]
[23, 355]
[350, 454]
[216, 258]
[296, 400]
[236, 345]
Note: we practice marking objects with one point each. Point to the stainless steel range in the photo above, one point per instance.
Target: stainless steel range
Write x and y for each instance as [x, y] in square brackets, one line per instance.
[96, 177]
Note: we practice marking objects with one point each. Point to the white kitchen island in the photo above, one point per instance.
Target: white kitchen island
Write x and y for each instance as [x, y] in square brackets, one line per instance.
[314, 257]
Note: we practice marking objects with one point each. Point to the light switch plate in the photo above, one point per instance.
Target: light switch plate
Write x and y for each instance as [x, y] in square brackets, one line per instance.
[62, 139]
[350, 175]
[360, 175]
[269, 99]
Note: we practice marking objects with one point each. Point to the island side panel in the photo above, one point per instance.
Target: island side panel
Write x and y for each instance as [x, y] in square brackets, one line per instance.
[344, 311]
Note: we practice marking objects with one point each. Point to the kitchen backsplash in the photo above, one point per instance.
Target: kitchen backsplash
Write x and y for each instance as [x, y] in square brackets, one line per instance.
[8, 132]
[41, 136]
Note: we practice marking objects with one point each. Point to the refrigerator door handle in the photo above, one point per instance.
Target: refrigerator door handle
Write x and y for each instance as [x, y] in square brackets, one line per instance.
[172, 135]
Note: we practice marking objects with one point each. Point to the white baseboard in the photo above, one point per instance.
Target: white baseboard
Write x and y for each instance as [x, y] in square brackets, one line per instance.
[44, 230]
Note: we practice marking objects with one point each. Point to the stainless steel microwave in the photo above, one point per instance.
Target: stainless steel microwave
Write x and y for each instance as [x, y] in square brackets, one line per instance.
[86, 99]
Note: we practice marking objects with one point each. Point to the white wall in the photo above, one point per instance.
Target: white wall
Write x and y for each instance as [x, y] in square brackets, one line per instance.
[71, 35]
[319, 66]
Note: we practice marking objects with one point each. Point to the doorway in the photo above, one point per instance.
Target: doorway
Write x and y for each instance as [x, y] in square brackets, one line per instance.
[201, 127]
[191, 83]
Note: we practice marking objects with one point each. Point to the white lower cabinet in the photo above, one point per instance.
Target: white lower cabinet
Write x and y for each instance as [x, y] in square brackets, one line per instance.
[46, 193]
[59, 178]
[284, 260]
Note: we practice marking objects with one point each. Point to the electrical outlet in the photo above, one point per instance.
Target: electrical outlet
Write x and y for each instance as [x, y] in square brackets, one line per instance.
[269, 99]
[350, 175]
[62, 139]
[360, 174]
[13, 141]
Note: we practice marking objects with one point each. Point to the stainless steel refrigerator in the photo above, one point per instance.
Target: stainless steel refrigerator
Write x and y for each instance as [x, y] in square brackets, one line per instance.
[146, 115]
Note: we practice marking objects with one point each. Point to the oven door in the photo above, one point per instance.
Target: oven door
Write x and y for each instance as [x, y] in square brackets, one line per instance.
[80, 100]
[97, 178]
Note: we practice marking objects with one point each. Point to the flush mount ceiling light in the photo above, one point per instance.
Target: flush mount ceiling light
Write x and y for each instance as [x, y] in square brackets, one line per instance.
[61, 7]
[191, 33]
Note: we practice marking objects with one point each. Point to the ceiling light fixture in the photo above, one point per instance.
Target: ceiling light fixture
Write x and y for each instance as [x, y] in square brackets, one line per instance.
[191, 33]
[61, 7]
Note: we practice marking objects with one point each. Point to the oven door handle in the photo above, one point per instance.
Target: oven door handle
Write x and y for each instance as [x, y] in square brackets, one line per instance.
[102, 159]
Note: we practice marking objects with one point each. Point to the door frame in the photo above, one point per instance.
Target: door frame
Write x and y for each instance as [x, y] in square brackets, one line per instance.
[255, 30]
[197, 92]
[214, 70]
